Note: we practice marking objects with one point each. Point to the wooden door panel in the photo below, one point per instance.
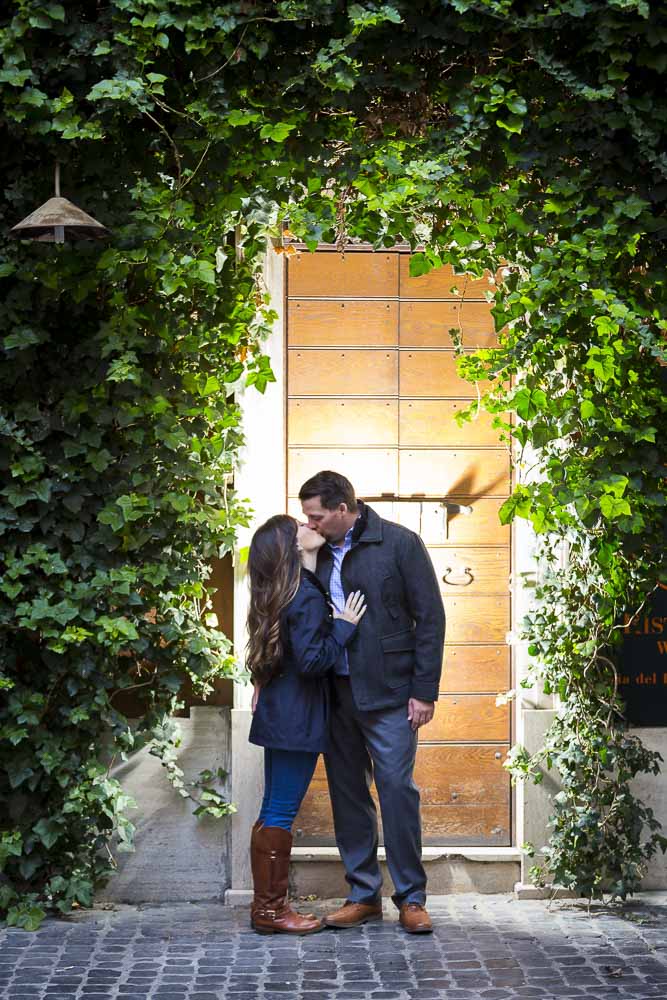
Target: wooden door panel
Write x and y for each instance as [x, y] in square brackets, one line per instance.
[472, 669]
[454, 473]
[327, 373]
[467, 773]
[431, 423]
[314, 821]
[479, 825]
[470, 717]
[368, 469]
[477, 619]
[442, 284]
[343, 421]
[464, 793]
[471, 569]
[336, 323]
[428, 324]
[481, 525]
[433, 373]
[361, 274]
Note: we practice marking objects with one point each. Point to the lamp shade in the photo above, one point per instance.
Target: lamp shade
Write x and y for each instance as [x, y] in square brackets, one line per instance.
[56, 220]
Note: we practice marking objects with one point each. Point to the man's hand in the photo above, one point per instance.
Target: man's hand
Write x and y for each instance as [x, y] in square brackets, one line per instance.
[419, 712]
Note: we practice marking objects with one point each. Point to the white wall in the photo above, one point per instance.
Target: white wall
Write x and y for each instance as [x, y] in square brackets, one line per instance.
[260, 477]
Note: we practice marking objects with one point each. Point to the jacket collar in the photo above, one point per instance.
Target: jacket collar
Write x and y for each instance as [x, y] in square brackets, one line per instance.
[306, 574]
[368, 527]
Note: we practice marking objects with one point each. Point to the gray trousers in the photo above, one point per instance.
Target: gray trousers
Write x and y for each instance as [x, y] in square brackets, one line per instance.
[363, 746]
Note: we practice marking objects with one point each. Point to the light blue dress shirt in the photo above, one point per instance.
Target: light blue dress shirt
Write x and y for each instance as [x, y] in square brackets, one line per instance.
[337, 593]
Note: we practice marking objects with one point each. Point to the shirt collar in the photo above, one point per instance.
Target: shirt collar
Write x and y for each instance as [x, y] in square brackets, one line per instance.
[346, 540]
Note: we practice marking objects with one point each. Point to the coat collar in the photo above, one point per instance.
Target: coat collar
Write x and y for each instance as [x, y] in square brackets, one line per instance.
[368, 527]
[307, 575]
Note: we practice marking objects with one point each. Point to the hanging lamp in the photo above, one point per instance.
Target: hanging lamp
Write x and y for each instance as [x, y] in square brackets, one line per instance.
[57, 220]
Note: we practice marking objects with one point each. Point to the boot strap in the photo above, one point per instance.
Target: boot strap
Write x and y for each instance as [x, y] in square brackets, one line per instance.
[271, 914]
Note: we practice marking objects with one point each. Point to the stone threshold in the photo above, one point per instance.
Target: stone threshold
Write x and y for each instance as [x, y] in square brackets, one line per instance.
[429, 854]
[317, 872]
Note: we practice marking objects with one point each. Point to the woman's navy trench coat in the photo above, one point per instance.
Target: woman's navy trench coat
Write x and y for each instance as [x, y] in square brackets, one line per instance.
[293, 707]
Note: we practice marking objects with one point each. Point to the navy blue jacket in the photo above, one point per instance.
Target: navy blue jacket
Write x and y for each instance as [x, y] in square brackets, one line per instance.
[293, 707]
[396, 652]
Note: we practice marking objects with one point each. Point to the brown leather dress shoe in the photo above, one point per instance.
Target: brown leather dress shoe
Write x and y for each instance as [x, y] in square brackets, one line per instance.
[353, 914]
[414, 919]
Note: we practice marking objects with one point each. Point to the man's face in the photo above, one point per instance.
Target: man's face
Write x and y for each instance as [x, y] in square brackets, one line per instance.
[332, 524]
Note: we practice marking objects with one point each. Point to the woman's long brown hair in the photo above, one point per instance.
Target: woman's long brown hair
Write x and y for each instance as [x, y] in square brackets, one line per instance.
[275, 570]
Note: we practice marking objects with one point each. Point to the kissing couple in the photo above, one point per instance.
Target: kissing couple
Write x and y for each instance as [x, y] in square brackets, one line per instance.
[346, 631]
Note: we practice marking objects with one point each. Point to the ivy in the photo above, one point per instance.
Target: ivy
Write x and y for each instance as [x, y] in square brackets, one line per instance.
[524, 142]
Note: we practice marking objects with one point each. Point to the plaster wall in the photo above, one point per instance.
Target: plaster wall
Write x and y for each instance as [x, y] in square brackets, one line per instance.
[260, 477]
[652, 791]
[178, 857]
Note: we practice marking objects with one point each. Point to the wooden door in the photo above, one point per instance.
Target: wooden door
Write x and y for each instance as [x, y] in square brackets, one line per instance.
[372, 392]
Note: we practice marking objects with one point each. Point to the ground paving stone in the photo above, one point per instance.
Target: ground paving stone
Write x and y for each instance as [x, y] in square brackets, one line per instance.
[483, 948]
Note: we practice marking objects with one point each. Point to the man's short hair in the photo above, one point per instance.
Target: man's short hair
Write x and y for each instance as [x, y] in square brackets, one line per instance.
[332, 489]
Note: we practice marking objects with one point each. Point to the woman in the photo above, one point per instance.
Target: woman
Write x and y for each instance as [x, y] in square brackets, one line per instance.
[293, 643]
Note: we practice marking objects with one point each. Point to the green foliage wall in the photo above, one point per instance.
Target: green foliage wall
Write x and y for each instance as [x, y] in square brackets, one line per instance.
[524, 138]
[118, 429]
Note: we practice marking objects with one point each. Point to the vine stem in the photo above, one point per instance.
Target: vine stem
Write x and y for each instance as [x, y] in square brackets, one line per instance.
[209, 76]
[194, 172]
[177, 155]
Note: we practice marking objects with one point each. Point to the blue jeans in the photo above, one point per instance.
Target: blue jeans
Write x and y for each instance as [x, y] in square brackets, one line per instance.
[287, 774]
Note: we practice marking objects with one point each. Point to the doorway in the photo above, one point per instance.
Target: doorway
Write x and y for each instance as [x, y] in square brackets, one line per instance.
[372, 392]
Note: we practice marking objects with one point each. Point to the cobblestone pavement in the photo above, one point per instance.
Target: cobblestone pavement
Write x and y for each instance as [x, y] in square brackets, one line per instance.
[490, 947]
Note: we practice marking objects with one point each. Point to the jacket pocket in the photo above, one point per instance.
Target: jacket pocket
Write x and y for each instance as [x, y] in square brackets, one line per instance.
[398, 650]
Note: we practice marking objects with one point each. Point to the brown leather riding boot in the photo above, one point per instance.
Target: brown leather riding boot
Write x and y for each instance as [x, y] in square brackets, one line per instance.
[270, 913]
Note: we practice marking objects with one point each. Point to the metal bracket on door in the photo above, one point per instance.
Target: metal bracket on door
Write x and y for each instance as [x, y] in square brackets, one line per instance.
[449, 507]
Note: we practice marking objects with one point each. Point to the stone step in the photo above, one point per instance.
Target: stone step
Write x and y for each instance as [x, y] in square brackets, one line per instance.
[318, 871]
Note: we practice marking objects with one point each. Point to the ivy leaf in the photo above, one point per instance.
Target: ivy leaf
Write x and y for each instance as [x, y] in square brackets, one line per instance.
[529, 402]
[211, 385]
[237, 118]
[512, 124]
[29, 917]
[516, 505]
[516, 104]
[16, 77]
[179, 501]
[21, 338]
[419, 265]
[206, 272]
[277, 132]
[614, 507]
[49, 831]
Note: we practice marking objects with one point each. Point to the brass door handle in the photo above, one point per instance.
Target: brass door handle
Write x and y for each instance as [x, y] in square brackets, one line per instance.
[459, 582]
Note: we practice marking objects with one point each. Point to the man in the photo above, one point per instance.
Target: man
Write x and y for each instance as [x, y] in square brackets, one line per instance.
[384, 689]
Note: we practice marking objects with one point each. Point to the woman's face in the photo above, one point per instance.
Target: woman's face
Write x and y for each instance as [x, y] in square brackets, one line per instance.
[309, 540]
